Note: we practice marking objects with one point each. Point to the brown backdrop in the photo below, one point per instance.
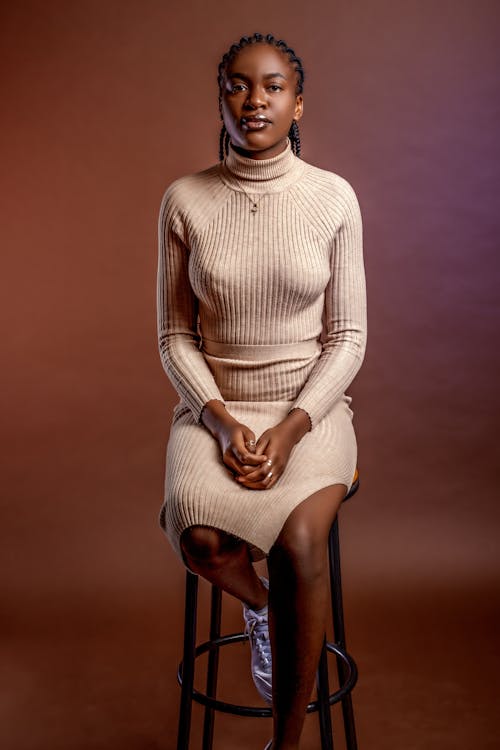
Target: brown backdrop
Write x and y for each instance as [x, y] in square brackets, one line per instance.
[103, 104]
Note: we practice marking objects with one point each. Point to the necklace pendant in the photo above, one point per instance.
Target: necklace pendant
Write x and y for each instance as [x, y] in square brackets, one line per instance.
[254, 208]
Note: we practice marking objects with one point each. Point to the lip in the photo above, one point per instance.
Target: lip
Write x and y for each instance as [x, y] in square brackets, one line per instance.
[259, 118]
[255, 122]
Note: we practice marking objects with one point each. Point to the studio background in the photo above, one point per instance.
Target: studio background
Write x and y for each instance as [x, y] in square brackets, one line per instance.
[103, 105]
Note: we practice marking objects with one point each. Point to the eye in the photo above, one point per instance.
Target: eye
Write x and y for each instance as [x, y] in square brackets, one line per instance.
[236, 87]
[275, 87]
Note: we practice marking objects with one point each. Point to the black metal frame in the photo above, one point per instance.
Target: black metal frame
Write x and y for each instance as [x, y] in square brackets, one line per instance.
[346, 666]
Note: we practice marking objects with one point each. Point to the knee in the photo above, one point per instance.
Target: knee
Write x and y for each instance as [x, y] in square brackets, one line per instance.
[203, 543]
[299, 548]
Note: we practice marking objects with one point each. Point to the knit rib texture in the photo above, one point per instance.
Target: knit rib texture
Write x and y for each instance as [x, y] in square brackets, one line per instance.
[288, 273]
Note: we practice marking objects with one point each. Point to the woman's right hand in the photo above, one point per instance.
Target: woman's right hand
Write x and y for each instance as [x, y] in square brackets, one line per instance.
[236, 440]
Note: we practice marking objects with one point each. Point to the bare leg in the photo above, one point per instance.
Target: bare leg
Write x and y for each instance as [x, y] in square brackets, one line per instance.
[298, 596]
[225, 561]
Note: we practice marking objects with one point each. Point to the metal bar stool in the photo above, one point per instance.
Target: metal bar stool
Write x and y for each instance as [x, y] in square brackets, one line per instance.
[346, 666]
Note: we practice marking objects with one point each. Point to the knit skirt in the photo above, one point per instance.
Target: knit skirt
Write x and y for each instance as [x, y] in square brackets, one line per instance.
[259, 385]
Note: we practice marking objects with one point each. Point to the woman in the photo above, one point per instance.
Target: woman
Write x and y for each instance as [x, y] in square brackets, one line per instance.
[260, 256]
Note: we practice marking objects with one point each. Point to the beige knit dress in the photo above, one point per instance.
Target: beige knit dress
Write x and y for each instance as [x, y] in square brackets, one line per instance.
[264, 310]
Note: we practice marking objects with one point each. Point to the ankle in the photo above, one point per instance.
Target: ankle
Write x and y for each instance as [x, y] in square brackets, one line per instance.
[264, 591]
[260, 599]
[258, 605]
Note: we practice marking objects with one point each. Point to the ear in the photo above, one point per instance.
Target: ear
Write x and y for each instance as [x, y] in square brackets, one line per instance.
[299, 107]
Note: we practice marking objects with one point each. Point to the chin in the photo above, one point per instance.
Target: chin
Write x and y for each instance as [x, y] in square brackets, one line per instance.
[256, 143]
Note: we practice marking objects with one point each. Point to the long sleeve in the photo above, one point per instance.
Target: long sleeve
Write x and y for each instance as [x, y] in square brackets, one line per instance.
[345, 317]
[177, 316]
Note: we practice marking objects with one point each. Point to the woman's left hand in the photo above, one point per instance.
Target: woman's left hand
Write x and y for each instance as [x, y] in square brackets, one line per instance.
[277, 443]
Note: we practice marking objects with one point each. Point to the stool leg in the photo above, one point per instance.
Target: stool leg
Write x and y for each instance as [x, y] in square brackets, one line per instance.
[325, 719]
[213, 666]
[188, 661]
[339, 630]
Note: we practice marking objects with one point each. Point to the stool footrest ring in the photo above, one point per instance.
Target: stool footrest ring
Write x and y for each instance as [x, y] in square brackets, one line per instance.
[233, 708]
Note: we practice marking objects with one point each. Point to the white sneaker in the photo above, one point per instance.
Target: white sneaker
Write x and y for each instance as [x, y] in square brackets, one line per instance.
[257, 629]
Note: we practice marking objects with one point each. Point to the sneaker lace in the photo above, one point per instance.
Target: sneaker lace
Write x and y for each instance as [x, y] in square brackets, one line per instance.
[257, 631]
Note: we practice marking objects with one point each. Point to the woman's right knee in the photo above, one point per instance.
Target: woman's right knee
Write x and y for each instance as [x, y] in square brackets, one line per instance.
[204, 543]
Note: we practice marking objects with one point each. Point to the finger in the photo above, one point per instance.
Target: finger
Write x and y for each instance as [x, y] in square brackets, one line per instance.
[269, 480]
[260, 481]
[258, 474]
[259, 469]
[263, 484]
[231, 463]
[246, 469]
[245, 457]
[236, 466]
[262, 444]
[250, 439]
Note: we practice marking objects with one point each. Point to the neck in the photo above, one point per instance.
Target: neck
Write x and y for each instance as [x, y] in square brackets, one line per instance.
[275, 150]
[262, 175]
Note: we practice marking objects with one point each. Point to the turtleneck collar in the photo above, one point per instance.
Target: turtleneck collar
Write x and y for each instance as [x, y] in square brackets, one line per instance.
[261, 175]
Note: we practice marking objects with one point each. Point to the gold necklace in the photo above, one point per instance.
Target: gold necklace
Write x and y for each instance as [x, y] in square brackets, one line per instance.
[255, 204]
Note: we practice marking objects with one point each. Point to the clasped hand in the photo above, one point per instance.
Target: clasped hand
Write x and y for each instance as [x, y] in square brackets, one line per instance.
[257, 464]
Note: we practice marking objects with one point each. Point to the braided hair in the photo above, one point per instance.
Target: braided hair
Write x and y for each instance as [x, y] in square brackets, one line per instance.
[229, 56]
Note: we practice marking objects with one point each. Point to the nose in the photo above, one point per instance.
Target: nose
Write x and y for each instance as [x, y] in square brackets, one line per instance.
[255, 98]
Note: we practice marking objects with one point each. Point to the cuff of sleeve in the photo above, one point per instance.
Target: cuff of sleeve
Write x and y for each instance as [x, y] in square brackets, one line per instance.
[305, 412]
[198, 402]
[200, 413]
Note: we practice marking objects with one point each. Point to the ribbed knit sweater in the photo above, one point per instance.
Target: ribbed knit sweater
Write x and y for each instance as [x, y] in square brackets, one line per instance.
[292, 271]
[264, 310]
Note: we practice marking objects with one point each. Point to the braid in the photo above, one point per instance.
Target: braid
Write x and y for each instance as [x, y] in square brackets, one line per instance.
[231, 54]
[223, 142]
[294, 136]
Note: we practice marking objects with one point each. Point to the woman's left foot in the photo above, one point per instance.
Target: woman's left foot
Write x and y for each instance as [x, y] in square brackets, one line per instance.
[257, 629]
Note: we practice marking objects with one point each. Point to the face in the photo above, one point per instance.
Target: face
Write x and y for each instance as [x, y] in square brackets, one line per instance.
[259, 102]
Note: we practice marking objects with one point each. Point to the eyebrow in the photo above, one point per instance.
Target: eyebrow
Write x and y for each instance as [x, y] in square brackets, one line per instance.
[268, 75]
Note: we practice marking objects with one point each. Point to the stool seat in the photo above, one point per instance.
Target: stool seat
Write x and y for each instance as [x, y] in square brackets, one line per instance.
[346, 666]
